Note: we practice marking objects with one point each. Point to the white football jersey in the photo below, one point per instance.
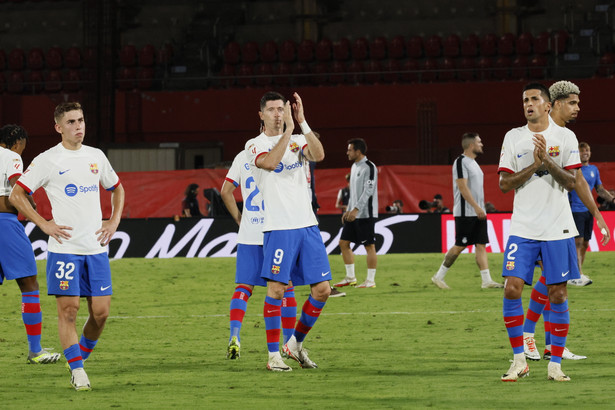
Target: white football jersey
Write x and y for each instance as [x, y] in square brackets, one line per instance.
[285, 190]
[71, 180]
[541, 210]
[252, 215]
[11, 166]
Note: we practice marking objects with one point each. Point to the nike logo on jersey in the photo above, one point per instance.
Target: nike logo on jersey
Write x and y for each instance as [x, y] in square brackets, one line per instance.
[105, 288]
[564, 274]
[325, 273]
[64, 172]
[520, 155]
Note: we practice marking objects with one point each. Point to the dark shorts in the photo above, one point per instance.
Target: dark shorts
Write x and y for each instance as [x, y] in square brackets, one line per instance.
[359, 231]
[469, 230]
[585, 224]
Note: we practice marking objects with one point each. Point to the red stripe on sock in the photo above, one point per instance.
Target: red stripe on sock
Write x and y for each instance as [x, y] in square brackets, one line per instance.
[302, 328]
[237, 314]
[288, 322]
[533, 316]
[31, 307]
[33, 330]
[560, 329]
[516, 341]
[289, 302]
[247, 289]
[311, 310]
[512, 321]
[557, 351]
[273, 335]
[542, 280]
[74, 359]
[84, 349]
[538, 297]
[271, 310]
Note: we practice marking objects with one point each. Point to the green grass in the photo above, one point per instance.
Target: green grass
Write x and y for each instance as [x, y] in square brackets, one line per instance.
[404, 344]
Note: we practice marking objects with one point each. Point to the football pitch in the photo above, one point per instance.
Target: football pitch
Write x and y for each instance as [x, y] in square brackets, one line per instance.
[404, 344]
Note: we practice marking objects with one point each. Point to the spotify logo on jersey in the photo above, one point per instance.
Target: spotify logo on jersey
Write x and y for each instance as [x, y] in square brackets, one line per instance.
[71, 190]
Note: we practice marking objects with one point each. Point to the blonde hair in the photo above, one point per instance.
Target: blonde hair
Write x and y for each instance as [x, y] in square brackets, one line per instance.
[563, 89]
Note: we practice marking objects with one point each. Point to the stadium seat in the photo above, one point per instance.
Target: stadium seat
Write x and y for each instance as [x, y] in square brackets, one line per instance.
[250, 52]
[506, 44]
[410, 71]
[606, 65]
[324, 50]
[264, 73]
[538, 67]
[2, 60]
[15, 82]
[429, 69]
[165, 55]
[488, 45]
[305, 51]
[414, 47]
[320, 73]
[355, 73]
[560, 42]
[450, 46]
[126, 78]
[128, 56]
[519, 68]
[288, 51]
[245, 75]
[378, 48]
[338, 72]
[145, 78]
[524, 43]
[373, 72]
[391, 74]
[53, 58]
[360, 49]
[397, 47]
[446, 69]
[301, 73]
[484, 67]
[53, 81]
[73, 58]
[72, 81]
[341, 49]
[90, 57]
[35, 82]
[542, 43]
[469, 46]
[465, 69]
[17, 59]
[433, 46]
[232, 53]
[147, 56]
[269, 52]
[501, 70]
[228, 71]
[282, 74]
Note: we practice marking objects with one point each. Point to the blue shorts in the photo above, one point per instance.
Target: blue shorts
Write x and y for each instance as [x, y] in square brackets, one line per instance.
[16, 254]
[249, 264]
[295, 254]
[78, 275]
[559, 259]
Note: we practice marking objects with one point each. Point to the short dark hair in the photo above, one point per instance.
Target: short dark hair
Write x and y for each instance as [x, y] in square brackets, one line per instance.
[271, 96]
[11, 133]
[358, 144]
[468, 138]
[584, 145]
[542, 88]
[65, 107]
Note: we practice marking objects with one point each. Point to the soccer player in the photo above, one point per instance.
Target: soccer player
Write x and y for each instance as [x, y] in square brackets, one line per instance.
[565, 109]
[292, 245]
[17, 258]
[77, 261]
[539, 161]
[249, 259]
[469, 212]
[361, 214]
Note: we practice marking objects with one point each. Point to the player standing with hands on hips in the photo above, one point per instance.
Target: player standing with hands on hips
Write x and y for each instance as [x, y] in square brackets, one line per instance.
[292, 245]
[77, 260]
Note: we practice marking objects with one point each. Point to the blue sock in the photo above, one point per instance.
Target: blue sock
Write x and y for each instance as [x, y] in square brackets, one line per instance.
[273, 321]
[239, 305]
[289, 314]
[560, 322]
[512, 310]
[86, 346]
[32, 318]
[309, 314]
[73, 356]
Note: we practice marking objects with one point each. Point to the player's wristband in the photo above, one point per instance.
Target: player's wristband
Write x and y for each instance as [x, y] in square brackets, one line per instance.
[305, 128]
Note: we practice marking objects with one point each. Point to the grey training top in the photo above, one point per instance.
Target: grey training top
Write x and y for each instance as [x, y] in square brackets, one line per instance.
[467, 168]
[364, 189]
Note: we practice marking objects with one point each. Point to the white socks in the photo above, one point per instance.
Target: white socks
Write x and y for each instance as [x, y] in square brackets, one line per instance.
[441, 272]
[350, 271]
[371, 275]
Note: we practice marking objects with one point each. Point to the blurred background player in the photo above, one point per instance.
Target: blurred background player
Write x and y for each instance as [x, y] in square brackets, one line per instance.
[360, 217]
[565, 107]
[77, 260]
[343, 195]
[469, 212]
[438, 205]
[292, 244]
[17, 258]
[539, 162]
[190, 203]
[249, 260]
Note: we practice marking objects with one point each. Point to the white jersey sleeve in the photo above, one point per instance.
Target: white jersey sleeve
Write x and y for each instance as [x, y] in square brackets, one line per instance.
[252, 216]
[11, 166]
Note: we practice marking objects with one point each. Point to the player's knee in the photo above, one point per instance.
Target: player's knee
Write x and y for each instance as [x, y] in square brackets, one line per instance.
[321, 291]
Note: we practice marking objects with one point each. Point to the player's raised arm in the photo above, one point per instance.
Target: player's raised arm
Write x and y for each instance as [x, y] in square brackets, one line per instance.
[314, 150]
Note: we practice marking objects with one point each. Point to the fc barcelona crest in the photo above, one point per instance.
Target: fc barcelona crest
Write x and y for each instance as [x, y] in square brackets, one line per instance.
[275, 269]
[510, 265]
[64, 284]
[554, 151]
[294, 147]
[94, 168]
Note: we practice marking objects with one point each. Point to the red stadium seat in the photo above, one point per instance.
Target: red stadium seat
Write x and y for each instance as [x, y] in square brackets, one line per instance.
[250, 52]
[506, 45]
[320, 73]
[228, 71]
[410, 71]
[245, 75]
[53, 81]
[542, 43]
[282, 74]
[341, 49]
[469, 46]
[145, 78]
[288, 51]
[305, 51]
[606, 65]
[446, 69]
[414, 47]
[451, 45]
[433, 46]
[73, 58]
[560, 41]
[397, 47]
[391, 71]
[524, 43]
[90, 57]
[301, 73]
[501, 70]
[15, 82]
[128, 56]
[264, 74]
[378, 48]
[338, 72]
[126, 78]
[324, 50]
[484, 67]
[538, 67]
[269, 52]
[72, 81]
[165, 54]
[35, 82]
[53, 58]
[465, 69]
[17, 59]
[232, 53]
[519, 68]
[147, 56]
[488, 45]
[373, 72]
[360, 49]
[355, 73]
